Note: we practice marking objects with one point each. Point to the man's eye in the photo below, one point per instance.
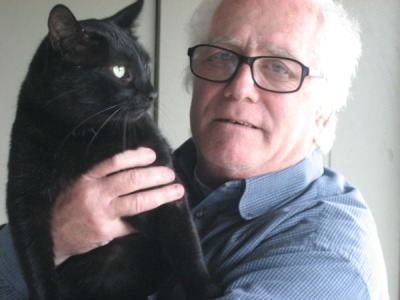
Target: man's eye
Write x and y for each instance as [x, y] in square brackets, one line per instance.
[225, 56]
[222, 56]
[279, 68]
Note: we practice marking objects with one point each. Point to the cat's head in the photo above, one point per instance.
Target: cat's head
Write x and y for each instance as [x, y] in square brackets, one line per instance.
[95, 67]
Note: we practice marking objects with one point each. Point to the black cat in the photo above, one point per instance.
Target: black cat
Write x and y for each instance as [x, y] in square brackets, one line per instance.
[85, 98]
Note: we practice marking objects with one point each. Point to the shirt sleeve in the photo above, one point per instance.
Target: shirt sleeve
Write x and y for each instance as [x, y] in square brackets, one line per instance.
[12, 284]
[324, 252]
[291, 273]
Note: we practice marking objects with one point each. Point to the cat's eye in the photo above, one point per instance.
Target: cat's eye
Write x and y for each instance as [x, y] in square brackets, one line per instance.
[120, 72]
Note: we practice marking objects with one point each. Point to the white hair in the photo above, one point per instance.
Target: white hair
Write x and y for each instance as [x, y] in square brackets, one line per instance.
[339, 50]
[198, 30]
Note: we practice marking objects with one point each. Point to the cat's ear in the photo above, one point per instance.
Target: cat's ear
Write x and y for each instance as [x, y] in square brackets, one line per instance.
[66, 35]
[126, 17]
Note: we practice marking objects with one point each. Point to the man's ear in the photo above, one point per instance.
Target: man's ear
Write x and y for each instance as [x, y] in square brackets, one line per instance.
[325, 123]
[323, 119]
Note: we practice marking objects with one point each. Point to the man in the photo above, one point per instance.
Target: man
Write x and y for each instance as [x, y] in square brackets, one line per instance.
[274, 224]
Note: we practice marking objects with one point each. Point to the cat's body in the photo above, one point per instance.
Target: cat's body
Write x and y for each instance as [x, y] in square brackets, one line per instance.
[77, 107]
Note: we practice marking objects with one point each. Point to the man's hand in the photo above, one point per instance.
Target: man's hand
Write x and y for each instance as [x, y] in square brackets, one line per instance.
[88, 213]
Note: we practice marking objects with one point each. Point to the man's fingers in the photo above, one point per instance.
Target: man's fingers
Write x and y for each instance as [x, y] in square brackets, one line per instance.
[128, 159]
[134, 180]
[146, 200]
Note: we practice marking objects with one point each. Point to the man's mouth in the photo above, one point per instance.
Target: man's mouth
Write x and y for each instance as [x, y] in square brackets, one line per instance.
[241, 123]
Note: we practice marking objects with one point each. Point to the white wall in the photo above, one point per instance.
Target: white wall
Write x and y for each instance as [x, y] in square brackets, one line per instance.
[173, 97]
[367, 149]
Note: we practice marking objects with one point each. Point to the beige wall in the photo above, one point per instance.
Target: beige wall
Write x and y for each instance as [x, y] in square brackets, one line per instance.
[367, 149]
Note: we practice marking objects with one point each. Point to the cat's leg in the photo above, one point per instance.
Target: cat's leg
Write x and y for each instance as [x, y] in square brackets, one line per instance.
[182, 247]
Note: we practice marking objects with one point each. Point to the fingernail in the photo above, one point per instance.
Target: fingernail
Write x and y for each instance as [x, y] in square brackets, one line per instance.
[171, 175]
[149, 153]
[178, 191]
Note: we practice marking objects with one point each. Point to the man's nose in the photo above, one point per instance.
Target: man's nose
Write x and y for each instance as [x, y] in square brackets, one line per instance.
[242, 86]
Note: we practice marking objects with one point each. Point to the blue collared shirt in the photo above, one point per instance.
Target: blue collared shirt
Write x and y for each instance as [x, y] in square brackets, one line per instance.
[301, 233]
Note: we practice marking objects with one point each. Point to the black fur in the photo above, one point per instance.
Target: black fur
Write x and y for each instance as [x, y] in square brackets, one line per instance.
[73, 112]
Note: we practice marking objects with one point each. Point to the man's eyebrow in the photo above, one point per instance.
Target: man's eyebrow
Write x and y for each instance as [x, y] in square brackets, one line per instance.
[278, 51]
[224, 40]
[268, 49]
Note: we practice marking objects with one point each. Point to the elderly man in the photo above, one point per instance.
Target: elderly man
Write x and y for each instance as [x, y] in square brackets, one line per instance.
[268, 78]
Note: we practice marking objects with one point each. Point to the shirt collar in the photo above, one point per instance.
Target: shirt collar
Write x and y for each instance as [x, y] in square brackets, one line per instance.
[261, 193]
[270, 191]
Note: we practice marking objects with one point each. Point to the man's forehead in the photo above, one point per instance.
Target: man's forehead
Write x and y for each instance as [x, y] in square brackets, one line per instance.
[288, 28]
[294, 11]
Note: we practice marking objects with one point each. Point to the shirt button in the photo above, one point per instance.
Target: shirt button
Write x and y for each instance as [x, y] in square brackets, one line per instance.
[199, 214]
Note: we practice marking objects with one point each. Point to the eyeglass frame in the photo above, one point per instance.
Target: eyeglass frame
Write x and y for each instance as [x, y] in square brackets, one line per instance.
[249, 60]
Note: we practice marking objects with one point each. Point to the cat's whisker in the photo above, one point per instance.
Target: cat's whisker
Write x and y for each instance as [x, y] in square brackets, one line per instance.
[71, 133]
[101, 127]
[60, 96]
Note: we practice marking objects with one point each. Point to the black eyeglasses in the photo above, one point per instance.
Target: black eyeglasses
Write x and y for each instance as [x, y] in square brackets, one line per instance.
[271, 73]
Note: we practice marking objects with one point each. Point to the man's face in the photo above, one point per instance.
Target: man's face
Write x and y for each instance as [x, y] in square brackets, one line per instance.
[239, 129]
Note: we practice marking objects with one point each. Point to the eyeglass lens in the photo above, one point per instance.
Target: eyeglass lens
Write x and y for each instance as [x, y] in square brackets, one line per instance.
[270, 73]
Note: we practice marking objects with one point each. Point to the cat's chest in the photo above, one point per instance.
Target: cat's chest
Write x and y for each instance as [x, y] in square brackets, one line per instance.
[89, 146]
